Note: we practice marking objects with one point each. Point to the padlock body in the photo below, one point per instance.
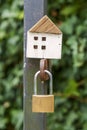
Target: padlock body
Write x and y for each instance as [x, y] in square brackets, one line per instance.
[43, 103]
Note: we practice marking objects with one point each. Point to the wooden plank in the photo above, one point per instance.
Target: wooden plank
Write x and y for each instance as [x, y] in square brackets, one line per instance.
[37, 25]
[45, 25]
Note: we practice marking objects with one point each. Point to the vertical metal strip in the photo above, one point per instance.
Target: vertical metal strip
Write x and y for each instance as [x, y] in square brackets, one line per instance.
[33, 11]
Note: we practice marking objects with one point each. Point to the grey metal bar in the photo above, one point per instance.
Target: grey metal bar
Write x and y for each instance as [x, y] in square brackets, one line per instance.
[33, 11]
[51, 81]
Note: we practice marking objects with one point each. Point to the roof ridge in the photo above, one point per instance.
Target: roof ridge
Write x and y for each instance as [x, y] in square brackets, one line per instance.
[47, 23]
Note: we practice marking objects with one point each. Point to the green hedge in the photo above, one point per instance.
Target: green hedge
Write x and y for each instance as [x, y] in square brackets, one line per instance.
[11, 62]
[70, 73]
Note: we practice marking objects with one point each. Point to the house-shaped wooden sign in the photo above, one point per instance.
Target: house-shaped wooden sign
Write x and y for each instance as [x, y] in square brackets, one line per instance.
[44, 40]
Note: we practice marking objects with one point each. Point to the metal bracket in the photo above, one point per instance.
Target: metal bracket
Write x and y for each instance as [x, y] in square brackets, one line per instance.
[44, 64]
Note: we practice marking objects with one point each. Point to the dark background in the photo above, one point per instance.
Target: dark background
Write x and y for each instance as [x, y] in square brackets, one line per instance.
[69, 73]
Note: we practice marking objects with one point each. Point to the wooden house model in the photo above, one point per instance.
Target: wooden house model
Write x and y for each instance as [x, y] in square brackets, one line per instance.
[44, 40]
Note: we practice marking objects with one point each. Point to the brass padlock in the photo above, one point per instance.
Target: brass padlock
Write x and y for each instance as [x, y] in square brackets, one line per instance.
[43, 103]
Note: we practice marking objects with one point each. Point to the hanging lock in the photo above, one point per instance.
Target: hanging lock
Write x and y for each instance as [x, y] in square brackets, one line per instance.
[43, 103]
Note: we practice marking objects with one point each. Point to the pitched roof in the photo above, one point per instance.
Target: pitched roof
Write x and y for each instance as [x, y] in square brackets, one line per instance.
[45, 25]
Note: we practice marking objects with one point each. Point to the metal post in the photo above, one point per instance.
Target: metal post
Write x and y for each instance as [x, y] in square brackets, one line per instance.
[33, 11]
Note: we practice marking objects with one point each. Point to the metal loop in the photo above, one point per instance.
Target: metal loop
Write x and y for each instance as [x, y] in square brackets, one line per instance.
[35, 82]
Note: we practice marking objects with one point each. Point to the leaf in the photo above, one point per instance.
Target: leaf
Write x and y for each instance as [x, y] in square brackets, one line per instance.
[9, 14]
[18, 118]
[68, 26]
[69, 10]
[21, 15]
[2, 110]
[2, 35]
[72, 88]
[59, 100]
[3, 122]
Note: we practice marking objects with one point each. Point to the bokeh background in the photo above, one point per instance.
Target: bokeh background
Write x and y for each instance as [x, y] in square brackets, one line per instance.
[69, 73]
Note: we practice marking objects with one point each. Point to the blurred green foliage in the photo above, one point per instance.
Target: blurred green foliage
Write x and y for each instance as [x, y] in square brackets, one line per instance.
[11, 62]
[70, 73]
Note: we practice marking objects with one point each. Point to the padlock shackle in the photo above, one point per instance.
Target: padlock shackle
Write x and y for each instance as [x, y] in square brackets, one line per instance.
[35, 82]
